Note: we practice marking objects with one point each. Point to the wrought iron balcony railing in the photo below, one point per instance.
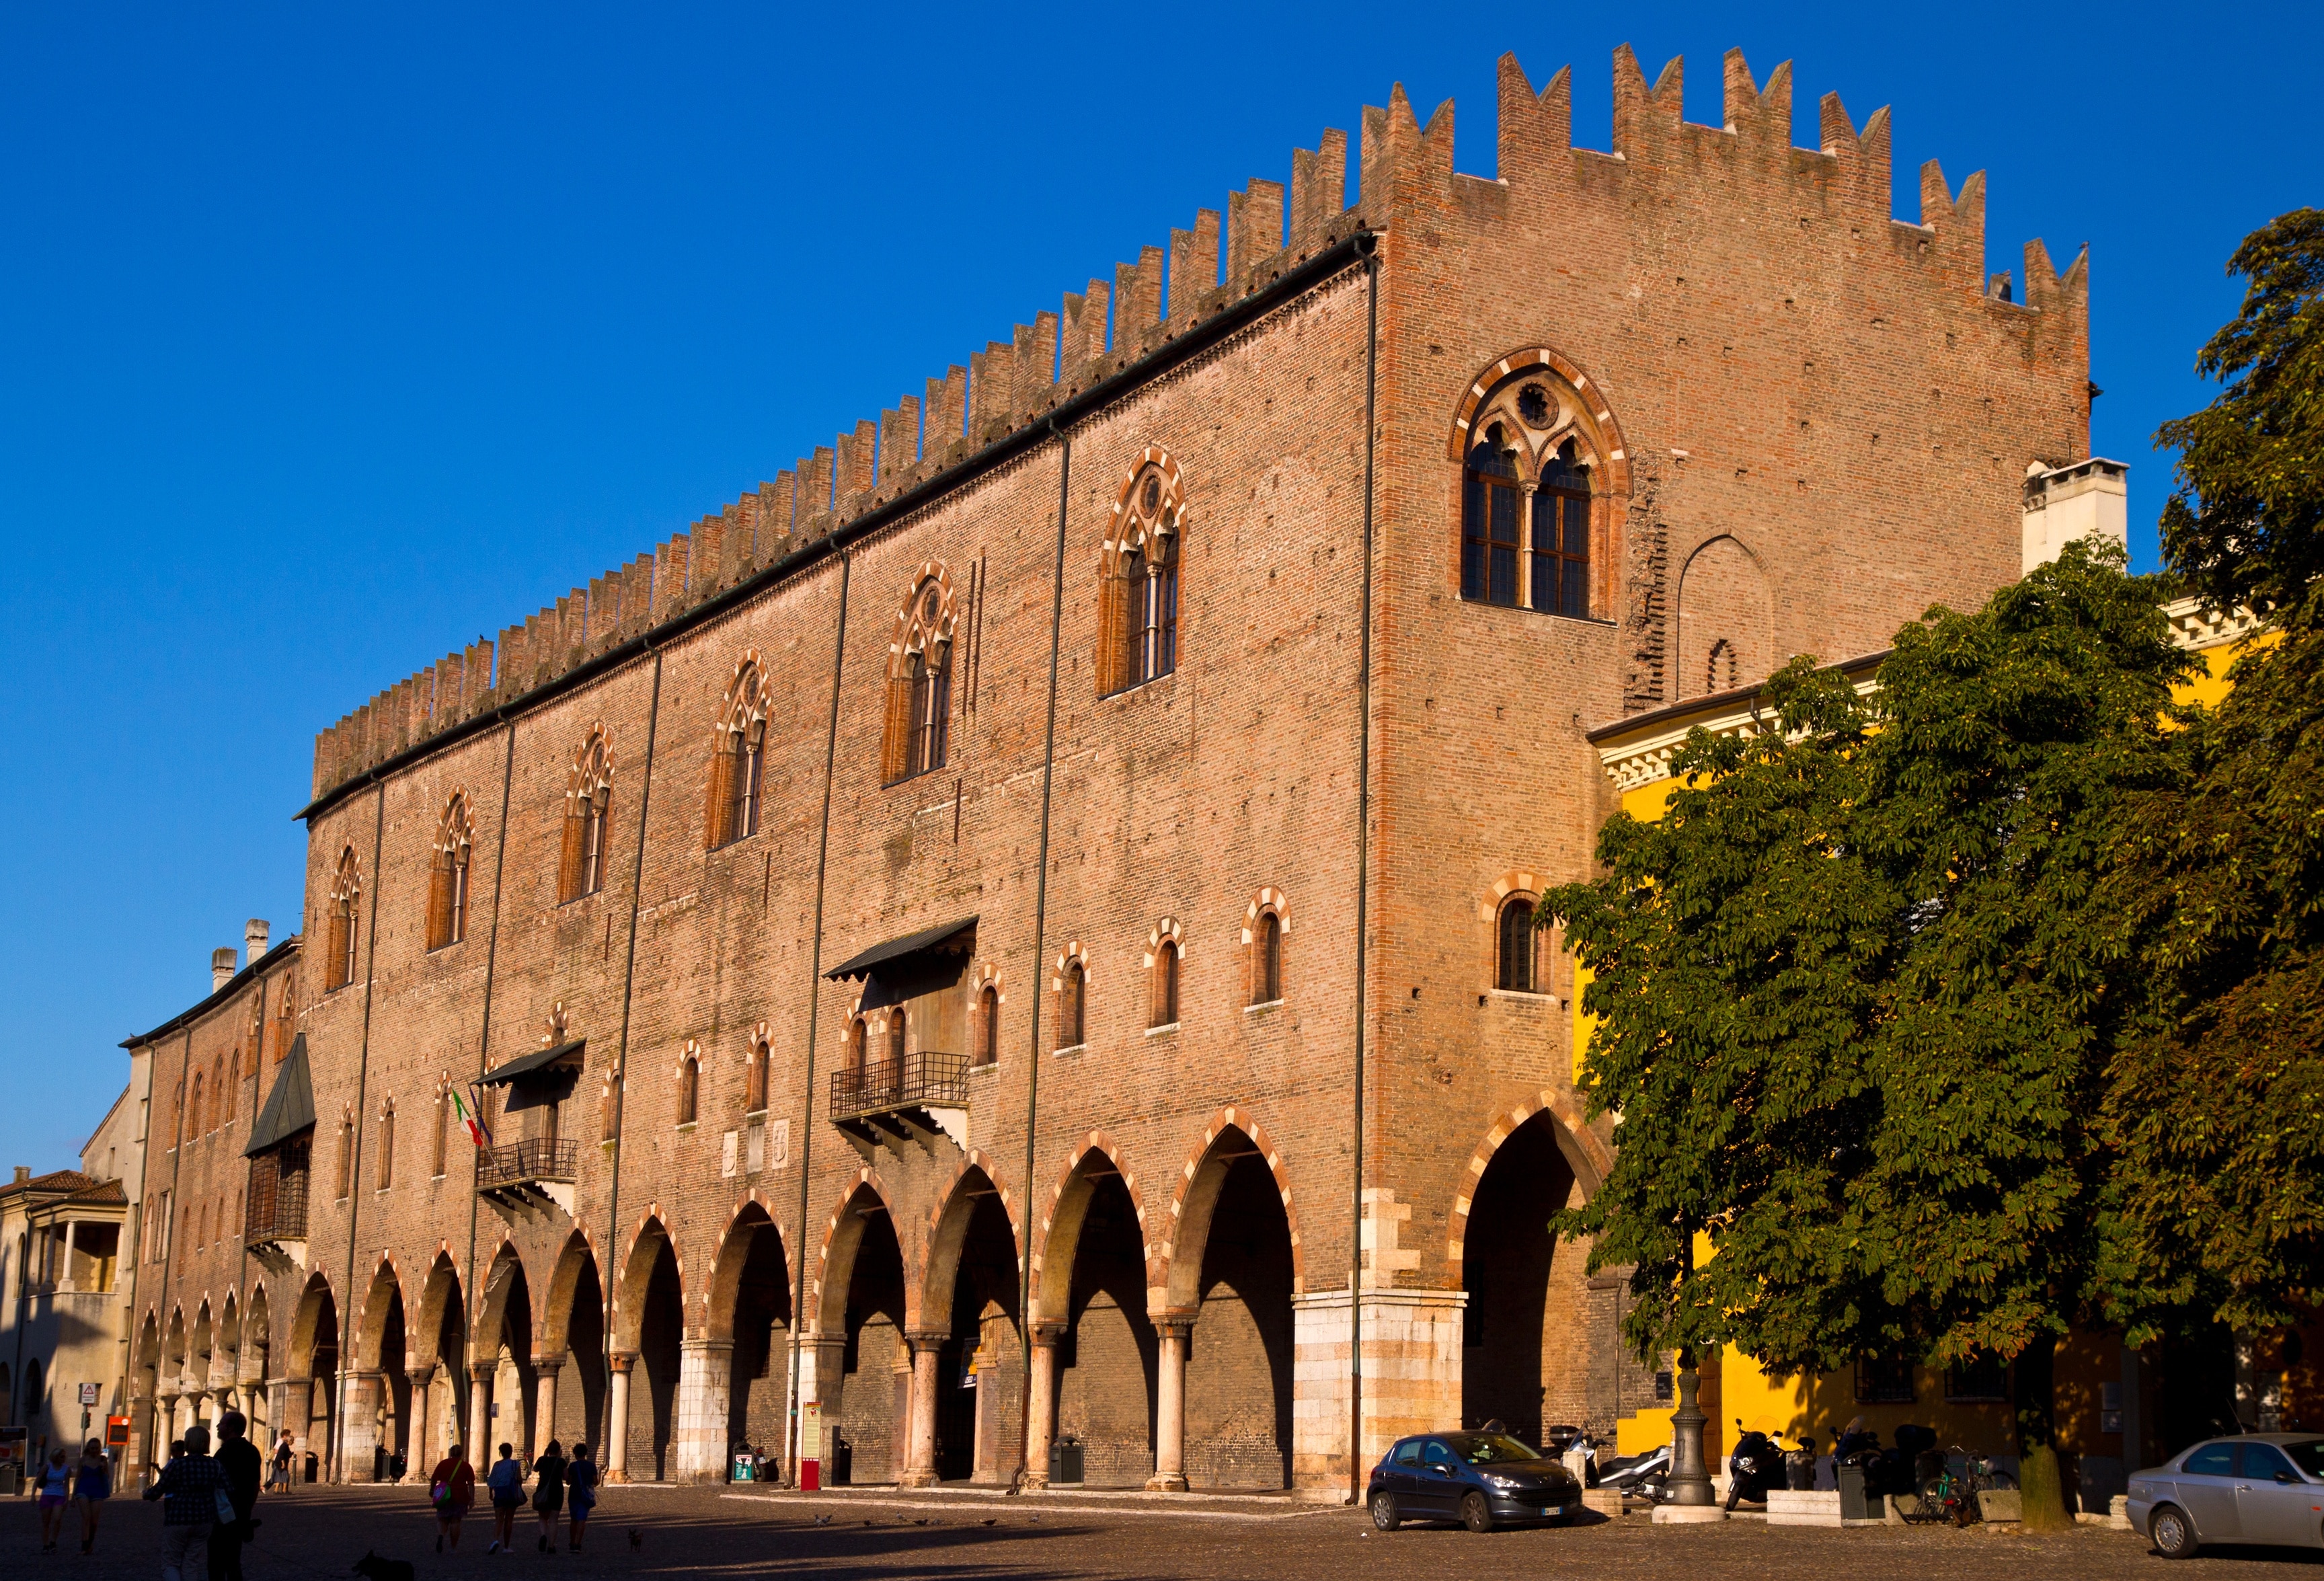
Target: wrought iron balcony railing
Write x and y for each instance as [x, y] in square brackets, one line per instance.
[914, 1081]
[523, 1164]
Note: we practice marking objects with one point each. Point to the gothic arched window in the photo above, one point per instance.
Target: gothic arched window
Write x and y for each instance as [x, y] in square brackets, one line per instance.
[988, 1025]
[1165, 985]
[919, 683]
[1492, 506]
[1530, 450]
[589, 804]
[346, 889]
[448, 879]
[754, 1079]
[1072, 1005]
[1561, 536]
[738, 759]
[1138, 620]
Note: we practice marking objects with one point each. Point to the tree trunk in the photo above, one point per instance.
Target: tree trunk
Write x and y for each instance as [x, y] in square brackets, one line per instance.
[2042, 1491]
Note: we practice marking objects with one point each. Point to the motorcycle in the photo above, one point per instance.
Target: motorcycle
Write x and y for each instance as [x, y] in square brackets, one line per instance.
[1800, 1464]
[1754, 1467]
[1643, 1476]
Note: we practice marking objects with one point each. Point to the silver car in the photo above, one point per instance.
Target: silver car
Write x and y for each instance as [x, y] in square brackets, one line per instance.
[2265, 1488]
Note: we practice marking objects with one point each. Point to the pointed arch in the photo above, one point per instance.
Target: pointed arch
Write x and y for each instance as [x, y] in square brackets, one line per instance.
[442, 1314]
[573, 1278]
[1178, 1251]
[915, 740]
[588, 818]
[1139, 565]
[1725, 619]
[648, 1244]
[1583, 1153]
[975, 1179]
[381, 1296]
[738, 745]
[750, 1220]
[1059, 1235]
[448, 875]
[843, 1236]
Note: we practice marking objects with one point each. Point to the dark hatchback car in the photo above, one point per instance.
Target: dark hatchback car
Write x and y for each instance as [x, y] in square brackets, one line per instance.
[1482, 1480]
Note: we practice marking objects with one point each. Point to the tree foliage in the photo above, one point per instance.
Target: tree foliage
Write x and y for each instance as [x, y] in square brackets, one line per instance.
[2219, 1112]
[1857, 986]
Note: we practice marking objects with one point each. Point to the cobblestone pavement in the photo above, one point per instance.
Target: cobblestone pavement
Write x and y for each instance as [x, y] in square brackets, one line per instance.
[972, 1535]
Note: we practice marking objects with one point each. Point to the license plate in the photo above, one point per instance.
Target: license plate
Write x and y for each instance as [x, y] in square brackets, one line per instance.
[1554, 1509]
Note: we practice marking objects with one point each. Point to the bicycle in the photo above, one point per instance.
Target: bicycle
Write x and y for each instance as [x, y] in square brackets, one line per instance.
[1948, 1497]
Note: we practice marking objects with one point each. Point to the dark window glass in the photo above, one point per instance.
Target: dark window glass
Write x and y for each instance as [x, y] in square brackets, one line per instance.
[987, 1027]
[1515, 973]
[2210, 1460]
[896, 1033]
[1267, 975]
[1489, 524]
[1165, 985]
[1473, 536]
[2263, 1464]
[1069, 1013]
[2307, 1457]
[1560, 540]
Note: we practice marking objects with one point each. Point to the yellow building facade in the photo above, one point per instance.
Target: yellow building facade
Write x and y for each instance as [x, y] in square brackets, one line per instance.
[2105, 1395]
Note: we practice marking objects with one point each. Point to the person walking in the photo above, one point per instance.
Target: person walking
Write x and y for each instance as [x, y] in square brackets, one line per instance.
[238, 1458]
[506, 1480]
[278, 1476]
[189, 1488]
[581, 1495]
[52, 1484]
[92, 1485]
[549, 1494]
[452, 1488]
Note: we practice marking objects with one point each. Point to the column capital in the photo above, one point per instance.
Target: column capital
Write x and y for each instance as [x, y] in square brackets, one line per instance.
[926, 1339]
[549, 1366]
[1048, 1331]
[1176, 1322]
[482, 1371]
[622, 1360]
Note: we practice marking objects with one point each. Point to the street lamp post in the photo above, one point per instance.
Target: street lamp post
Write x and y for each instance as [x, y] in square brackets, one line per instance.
[1690, 1478]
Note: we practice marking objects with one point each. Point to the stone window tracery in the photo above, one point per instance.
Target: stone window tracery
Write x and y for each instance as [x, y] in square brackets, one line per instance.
[589, 804]
[738, 756]
[1541, 464]
[1137, 622]
[347, 890]
[447, 878]
[919, 681]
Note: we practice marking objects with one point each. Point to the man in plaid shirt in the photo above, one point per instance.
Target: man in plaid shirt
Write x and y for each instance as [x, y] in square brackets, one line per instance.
[188, 1487]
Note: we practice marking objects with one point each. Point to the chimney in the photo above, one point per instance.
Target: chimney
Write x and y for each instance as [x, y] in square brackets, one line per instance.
[253, 940]
[23, 1173]
[2085, 500]
[222, 967]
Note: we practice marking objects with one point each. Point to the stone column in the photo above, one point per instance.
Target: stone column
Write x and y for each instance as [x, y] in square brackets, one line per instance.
[617, 1419]
[1170, 1404]
[64, 1271]
[483, 1450]
[544, 1401]
[1041, 1403]
[358, 1431]
[704, 1373]
[920, 1462]
[425, 1451]
[823, 1358]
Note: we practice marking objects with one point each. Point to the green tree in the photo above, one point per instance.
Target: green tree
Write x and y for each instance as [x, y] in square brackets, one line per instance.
[2217, 1112]
[1857, 990]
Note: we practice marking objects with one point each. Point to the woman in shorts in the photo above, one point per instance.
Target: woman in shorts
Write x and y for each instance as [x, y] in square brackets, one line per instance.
[53, 1485]
[92, 1485]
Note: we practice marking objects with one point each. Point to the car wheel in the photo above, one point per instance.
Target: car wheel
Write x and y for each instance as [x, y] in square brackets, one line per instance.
[2173, 1533]
[1383, 1513]
[1476, 1514]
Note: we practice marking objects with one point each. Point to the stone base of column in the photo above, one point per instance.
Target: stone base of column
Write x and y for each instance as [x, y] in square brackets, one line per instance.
[1687, 1514]
[617, 1476]
[1172, 1484]
[1035, 1482]
[918, 1479]
[1412, 1377]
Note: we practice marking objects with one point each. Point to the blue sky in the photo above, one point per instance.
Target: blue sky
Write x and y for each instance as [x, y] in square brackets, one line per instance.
[332, 337]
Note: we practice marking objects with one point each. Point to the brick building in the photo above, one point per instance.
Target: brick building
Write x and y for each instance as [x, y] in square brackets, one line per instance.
[1019, 926]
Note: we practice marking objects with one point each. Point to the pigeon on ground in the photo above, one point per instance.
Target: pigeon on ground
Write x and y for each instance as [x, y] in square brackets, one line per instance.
[637, 1538]
[822, 1520]
[986, 1521]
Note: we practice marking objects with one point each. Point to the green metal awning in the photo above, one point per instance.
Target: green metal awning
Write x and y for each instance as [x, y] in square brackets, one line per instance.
[534, 1064]
[918, 962]
[290, 1107]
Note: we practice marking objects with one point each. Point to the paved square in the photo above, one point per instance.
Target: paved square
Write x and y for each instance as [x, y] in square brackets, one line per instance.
[318, 1533]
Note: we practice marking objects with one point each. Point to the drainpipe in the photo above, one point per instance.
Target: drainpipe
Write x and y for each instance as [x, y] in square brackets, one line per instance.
[622, 1061]
[1040, 925]
[471, 1291]
[813, 1007]
[1363, 876]
[169, 1217]
[356, 1152]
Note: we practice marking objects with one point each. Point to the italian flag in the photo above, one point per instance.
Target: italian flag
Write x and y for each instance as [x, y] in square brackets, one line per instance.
[469, 1122]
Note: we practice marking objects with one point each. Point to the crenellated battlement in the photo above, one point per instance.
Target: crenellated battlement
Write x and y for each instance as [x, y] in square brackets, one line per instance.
[1657, 158]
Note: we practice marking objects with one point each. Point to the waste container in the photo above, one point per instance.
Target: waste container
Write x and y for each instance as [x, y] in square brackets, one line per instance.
[1853, 1506]
[1065, 1463]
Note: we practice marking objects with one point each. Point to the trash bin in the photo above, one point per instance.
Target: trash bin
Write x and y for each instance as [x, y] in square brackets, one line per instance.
[1853, 1503]
[1065, 1463]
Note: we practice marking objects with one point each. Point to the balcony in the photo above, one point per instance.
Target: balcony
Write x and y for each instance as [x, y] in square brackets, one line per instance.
[914, 1099]
[528, 1176]
[275, 1219]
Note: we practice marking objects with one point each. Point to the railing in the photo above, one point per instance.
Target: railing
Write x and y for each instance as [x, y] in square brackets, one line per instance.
[926, 1080]
[277, 1209]
[519, 1163]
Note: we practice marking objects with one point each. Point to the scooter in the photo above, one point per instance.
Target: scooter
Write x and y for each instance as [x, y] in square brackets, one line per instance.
[1756, 1465]
[1645, 1477]
[1800, 1464]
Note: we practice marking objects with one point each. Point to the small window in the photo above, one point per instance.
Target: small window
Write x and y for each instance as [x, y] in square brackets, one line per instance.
[386, 1146]
[1884, 1381]
[1139, 613]
[1983, 1377]
[1719, 669]
[442, 1140]
[1515, 972]
[1070, 1006]
[1166, 984]
[689, 1087]
[755, 1080]
[1266, 960]
[1561, 537]
[857, 1037]
[339, 959]
[345, 1174]
[194, 1111]
[896, 1034]
[988, 1025]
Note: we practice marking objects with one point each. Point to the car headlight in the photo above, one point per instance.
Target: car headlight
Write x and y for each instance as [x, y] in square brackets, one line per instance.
[1503, 1483]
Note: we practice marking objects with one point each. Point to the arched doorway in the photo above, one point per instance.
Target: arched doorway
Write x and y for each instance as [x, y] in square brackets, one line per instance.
[1524, 1349]
[653, 1318]
[572, 1336]
[501, 1349]
[751, 1308]
[312, 1402]
[1092, 1283]
[440, 1353]
[1231, 1275]
[972, 1283]
[866, 1408]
